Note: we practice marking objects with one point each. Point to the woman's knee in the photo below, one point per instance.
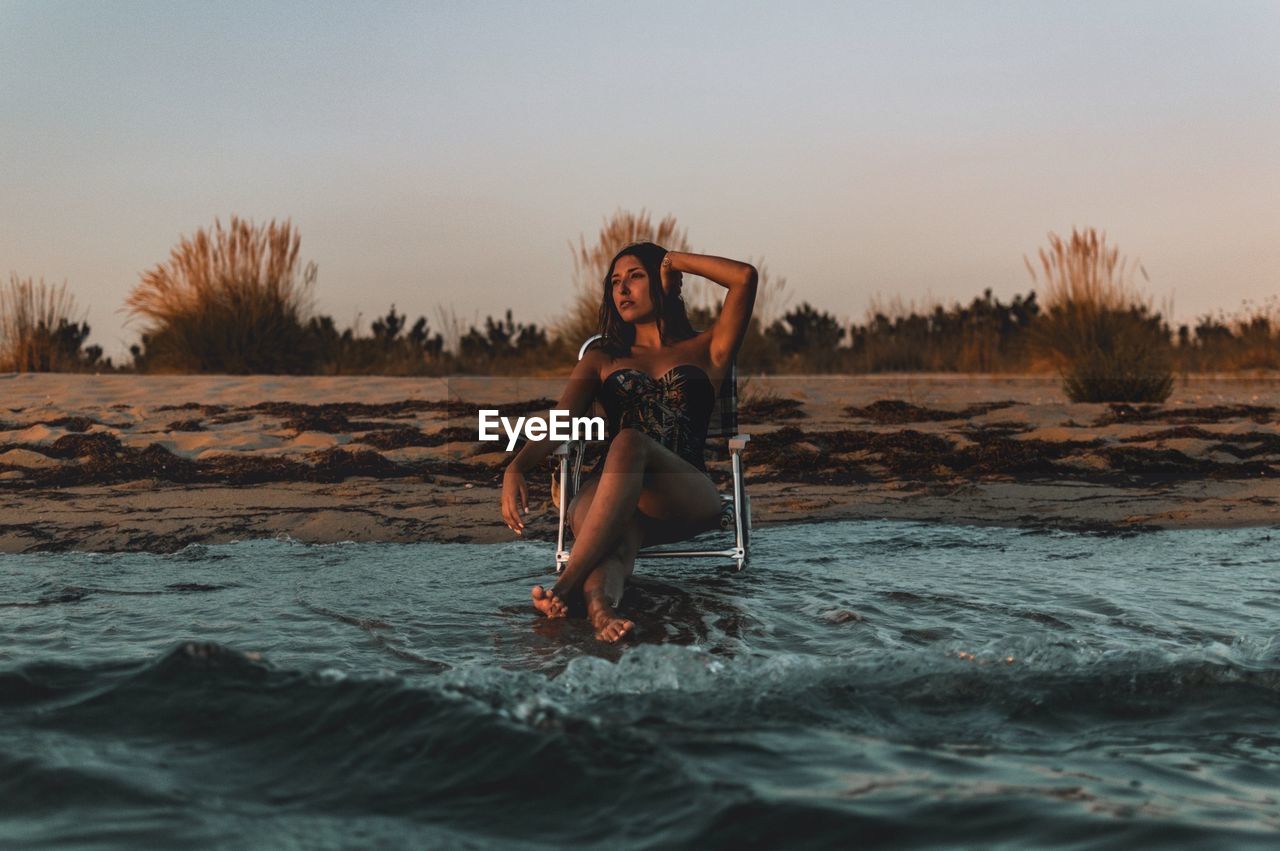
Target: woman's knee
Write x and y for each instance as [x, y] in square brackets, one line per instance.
[630, 440]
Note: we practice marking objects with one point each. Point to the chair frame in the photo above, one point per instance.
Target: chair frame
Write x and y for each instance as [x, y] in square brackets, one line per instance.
[741, 504]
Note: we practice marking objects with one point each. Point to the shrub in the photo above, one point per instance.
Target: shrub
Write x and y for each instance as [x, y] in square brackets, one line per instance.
[232, 300]
[387, 351]
[986, 335]
[38, 331]
[1248, 340]
[505, 346]
[1104, 338]
[807, 335]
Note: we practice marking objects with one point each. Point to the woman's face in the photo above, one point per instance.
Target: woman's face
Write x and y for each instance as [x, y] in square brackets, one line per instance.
[629, 287]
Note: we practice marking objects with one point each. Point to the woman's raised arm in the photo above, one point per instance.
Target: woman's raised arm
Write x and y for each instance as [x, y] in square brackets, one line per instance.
[740, 279]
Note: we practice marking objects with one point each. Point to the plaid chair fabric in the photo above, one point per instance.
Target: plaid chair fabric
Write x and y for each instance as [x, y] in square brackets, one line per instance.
[724, 417]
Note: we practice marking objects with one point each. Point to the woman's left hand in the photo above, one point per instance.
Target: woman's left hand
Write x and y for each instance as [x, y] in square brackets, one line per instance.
[672, 280]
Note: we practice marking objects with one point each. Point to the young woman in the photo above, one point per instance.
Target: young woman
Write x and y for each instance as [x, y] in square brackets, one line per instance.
[657, 380]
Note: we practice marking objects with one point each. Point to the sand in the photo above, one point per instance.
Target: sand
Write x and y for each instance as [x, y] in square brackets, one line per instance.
[122, 462]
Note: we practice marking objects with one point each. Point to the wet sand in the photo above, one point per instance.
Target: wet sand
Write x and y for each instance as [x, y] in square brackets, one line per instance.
[125, 462]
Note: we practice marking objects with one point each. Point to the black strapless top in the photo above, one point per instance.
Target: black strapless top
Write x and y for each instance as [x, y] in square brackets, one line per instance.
[674, 409]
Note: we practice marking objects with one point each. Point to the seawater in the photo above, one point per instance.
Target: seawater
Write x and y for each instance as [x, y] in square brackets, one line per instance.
[859, 684]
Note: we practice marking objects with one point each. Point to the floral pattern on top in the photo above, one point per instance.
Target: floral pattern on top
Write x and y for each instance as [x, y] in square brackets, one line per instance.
[674, 409]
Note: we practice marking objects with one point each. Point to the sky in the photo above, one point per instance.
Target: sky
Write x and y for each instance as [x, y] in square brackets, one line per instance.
[442, 156]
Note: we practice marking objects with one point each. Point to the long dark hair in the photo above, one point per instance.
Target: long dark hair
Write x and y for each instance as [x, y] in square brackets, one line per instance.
[673, 320]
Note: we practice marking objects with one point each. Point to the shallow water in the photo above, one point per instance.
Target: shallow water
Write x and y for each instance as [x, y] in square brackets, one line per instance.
[860, 683]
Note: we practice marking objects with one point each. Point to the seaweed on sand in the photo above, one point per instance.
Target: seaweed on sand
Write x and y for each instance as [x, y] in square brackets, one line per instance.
[72, 424]
[1261, 444]
[1239, 444]
[329, 421]
[217, 414]
[771, 409]
[103, 460]
[1178, 432]
[1211, 414]
[404, 436]
[185, 425]
[896, 411]
[388, 410]
[791, 454]
[1167, 465]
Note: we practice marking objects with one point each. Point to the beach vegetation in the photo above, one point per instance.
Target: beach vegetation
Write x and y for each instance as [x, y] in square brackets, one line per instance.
[393, 347]
[41, 331]
[985, 335]
[238, 299]
[501, 338]
[234, 299]
[1248, 340]
[1096, 329]
[807, 337]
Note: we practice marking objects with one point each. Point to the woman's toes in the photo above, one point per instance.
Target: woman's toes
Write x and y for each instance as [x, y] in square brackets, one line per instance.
[549, 603]
[546, 601]
[615, 630]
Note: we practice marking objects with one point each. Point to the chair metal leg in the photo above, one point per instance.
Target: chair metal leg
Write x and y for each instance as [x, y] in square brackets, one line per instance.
[739, 506]
[562, 556]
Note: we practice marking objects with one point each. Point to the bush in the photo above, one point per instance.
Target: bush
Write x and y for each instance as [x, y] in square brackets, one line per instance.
[505, 346]
[1104, 338]
[808, 336]
[233, 300]
[38, 332]
[387, 351]
[987, 335]
[1249, 340]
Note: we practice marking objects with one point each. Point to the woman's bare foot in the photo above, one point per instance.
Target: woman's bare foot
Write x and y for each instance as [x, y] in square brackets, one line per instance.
[609, 625]
[612, 629]
[546, 601]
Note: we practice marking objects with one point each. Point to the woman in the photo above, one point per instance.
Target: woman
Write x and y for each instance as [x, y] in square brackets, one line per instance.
[657, 379]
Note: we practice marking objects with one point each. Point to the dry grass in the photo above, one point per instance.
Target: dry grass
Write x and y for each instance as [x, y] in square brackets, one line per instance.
[37, 323]
[235, 300]
[1248, 340]
[1096, 328]
[1257, 331]
[591, 262]
[985, 335]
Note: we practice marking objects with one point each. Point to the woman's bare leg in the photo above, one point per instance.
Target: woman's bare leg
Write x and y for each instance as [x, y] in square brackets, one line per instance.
[638, 474]
[603, 587]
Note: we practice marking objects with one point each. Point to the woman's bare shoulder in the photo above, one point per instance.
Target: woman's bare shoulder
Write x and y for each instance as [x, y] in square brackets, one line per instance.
[593, 361]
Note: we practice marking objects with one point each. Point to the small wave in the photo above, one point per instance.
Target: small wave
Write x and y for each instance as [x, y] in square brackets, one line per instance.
[446, 749]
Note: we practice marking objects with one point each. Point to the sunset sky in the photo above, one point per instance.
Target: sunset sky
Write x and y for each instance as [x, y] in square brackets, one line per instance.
[444, 154]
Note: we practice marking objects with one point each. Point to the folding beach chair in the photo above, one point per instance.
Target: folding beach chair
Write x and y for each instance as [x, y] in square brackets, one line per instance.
[735, 516]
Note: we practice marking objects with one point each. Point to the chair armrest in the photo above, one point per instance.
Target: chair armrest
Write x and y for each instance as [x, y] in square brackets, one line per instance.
[738, 442]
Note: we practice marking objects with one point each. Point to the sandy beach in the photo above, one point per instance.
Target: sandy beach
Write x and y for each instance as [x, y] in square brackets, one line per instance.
[125, 462]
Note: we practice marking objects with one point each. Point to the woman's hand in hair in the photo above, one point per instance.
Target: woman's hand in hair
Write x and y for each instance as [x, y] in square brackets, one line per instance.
[741, 280]
[672, 279]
